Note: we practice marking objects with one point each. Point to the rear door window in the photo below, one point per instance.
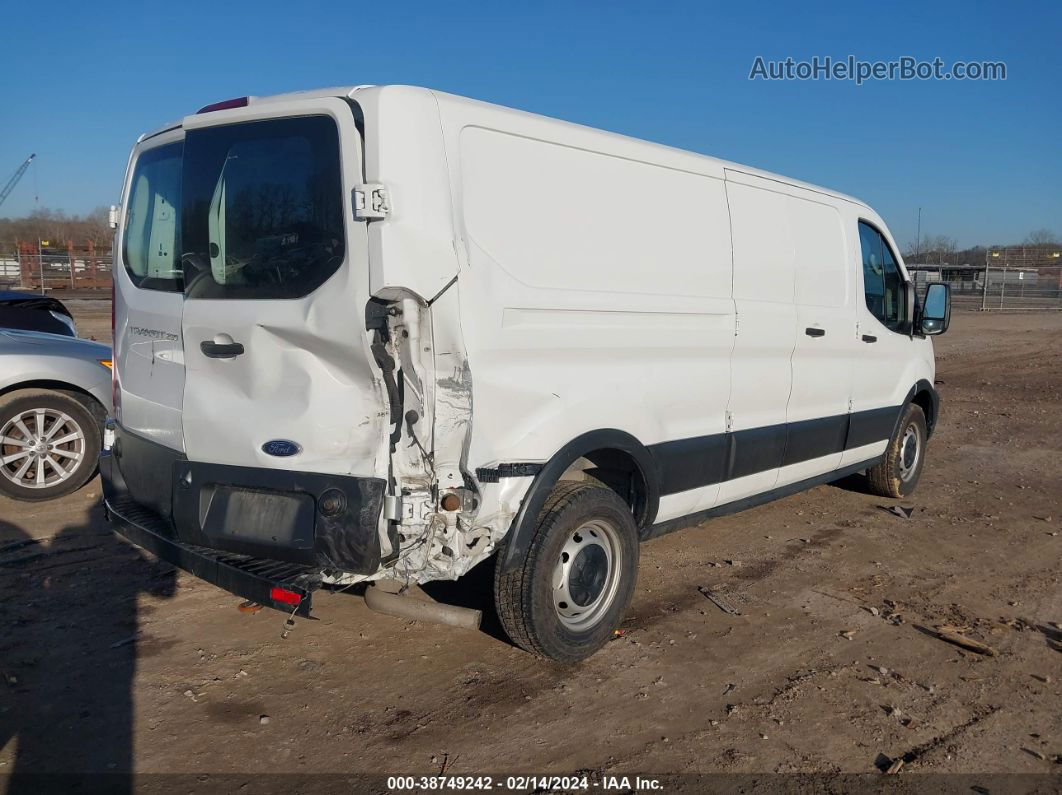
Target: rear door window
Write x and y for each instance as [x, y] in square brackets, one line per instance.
[151, 236]
[262, 213]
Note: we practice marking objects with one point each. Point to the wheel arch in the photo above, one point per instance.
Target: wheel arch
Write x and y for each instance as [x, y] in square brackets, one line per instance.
[80, 393]
[924, 395]
[618, 459]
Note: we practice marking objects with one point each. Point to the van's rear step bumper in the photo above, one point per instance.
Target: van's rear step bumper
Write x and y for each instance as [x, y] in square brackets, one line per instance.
[256, 579]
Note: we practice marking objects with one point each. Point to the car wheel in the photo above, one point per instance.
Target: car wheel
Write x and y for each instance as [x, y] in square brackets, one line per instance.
[49, 444]
[571, 591]
[899, 469]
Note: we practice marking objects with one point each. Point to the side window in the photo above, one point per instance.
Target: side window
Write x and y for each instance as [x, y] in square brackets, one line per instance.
[150, 239]
[895, 292]
[883, 284]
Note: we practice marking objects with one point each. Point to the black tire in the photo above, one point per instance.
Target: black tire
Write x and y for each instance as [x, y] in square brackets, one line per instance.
[526, 599]
[897, 474]
[76, 458]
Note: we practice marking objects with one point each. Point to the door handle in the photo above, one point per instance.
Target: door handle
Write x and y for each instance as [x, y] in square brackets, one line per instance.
[815, 332]
[869, 338]
[221, 350]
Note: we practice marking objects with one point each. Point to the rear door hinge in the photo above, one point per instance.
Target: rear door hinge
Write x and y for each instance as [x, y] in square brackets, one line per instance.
[729, 422]
[371, 201]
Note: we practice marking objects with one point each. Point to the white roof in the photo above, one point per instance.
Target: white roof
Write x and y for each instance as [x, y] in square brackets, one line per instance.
[351, 92]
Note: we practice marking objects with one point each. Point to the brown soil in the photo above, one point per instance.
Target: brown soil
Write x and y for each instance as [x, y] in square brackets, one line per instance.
[114, 663]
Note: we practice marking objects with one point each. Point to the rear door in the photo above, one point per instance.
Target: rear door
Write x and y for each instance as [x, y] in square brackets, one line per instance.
[275, 288]
[148, 302]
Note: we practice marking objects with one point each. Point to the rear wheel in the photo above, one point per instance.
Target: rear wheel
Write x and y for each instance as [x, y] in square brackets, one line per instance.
[571, 591]
[897, 474]
[49, 444]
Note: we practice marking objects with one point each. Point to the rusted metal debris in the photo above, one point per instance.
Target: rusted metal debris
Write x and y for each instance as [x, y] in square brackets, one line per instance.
[718, 601]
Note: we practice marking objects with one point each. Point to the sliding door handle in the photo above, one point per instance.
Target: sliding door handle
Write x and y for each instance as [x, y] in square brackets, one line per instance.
[869, 338]
[815, 332]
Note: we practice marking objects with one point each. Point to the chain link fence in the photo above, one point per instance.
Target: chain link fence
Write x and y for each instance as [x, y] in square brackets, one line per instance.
[990, 288]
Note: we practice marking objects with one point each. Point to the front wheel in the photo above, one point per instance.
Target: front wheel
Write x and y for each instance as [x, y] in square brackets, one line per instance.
[571, 591]
[899, 469]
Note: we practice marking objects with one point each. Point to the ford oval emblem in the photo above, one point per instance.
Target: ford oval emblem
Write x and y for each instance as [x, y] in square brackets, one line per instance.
[281, 448]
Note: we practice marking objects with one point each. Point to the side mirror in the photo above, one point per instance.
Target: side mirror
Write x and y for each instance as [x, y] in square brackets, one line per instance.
[936, 309]
[113, 215]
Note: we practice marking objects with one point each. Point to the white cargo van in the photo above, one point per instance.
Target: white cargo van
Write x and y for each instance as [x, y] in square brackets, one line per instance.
[385, 332]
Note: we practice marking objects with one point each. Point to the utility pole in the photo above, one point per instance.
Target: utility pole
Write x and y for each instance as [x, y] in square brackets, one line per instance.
[1003, 284]
[984, 284]
[918, 237]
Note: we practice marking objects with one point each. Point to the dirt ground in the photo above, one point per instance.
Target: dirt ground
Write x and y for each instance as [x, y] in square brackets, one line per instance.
[114, 663]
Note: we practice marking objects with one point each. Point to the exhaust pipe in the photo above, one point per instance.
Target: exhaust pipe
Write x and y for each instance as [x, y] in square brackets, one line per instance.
[392, 604]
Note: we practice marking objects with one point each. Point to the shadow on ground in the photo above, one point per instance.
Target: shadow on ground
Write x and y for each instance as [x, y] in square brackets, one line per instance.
[69, 652]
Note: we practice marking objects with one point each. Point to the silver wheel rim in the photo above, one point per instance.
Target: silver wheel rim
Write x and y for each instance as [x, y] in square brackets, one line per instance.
[910, 450]
[587, 575]
[41, 448]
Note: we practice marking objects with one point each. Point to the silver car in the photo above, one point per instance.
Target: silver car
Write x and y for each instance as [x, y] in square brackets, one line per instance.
[55, 392]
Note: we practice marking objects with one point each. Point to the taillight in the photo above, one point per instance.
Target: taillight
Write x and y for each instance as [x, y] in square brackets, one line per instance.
[116, 396]
[116, 393]
[228, 104]
[284, 596]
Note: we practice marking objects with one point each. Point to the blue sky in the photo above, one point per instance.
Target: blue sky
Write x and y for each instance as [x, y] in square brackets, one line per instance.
[982, 159]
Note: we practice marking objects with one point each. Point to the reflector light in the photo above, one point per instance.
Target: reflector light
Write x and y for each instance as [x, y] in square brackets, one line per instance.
[228, 104]
[284, 596]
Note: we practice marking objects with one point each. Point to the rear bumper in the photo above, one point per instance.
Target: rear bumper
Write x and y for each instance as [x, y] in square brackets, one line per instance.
[223, 522]
[242, 575]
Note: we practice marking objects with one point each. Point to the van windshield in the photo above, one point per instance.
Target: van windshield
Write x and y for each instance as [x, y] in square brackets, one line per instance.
[261, 209]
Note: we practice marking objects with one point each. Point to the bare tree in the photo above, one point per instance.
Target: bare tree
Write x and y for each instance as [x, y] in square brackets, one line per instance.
[943, 248]
[1041, 238]
[937, 249]
[57, 228]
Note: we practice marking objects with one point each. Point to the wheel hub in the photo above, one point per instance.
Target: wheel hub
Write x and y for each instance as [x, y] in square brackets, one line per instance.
[41, 448]
[587, 575]
[909, 452]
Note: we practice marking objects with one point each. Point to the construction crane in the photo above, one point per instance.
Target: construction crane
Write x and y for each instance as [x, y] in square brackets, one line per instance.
[11, 183]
